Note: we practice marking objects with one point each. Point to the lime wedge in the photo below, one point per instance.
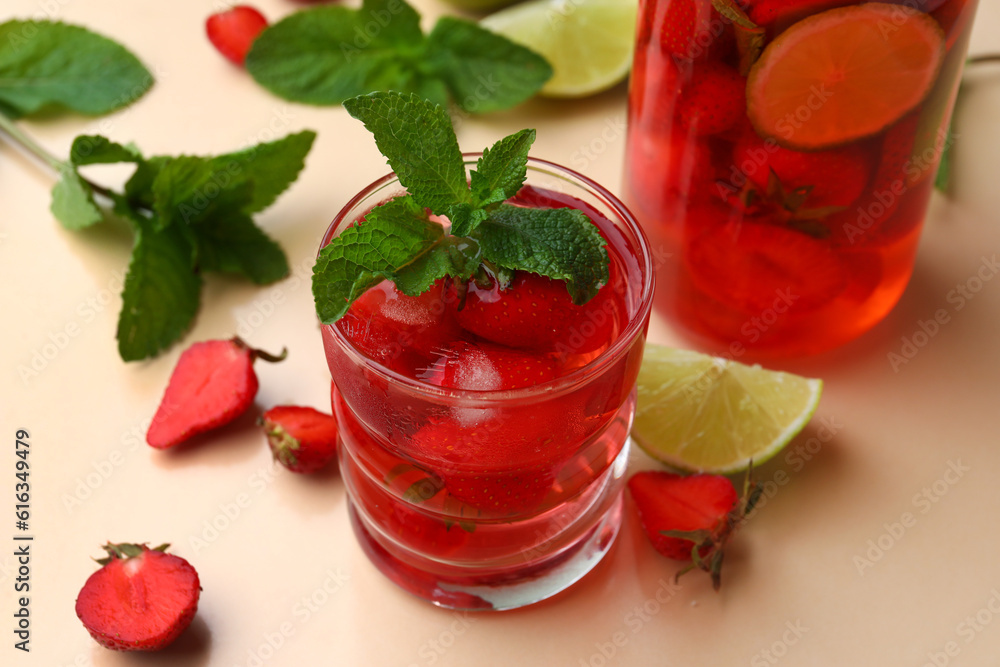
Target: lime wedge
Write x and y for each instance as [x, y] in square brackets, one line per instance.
[707, 414]
[588, 42]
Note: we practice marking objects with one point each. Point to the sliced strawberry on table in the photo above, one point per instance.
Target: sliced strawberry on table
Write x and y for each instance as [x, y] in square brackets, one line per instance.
[140, 600]
[302, 439]
[691, 518]
[752, 267]
[212, 384]
[485, 367]
[713, 102]
[233, 31]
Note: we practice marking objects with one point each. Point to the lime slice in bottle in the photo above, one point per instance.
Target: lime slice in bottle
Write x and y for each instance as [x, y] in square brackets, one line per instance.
[588, 42]
[843, 75]
[707, 414]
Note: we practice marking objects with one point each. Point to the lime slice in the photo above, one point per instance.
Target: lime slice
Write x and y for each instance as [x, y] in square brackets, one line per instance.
[707, 414]
[588, 42]
[844, 74]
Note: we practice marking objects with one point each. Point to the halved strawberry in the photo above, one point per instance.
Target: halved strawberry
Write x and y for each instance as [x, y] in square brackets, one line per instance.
[896, 174]
[777, 15]
[536, 312]
[212, 384]
[755, 268]
[233, 31]
[302, 439]
[503, 462]
[691, 518]
[836, 177]
[485, 367]
[713, 102]
[669, 502]
[140, 600]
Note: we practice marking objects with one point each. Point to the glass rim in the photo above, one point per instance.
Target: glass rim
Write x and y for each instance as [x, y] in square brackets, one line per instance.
[576, 378]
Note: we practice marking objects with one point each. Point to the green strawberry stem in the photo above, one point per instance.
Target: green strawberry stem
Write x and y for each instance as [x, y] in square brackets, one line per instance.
[25, 141]
[261, 354]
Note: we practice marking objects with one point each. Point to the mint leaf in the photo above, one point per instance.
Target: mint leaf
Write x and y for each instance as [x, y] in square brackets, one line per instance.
[48, 64]
[501, 170]
[465, 217]
[187, 190]
[73, 203]
[561, 243]
[271, 167]
[391, 237]
[449, 256]
[417, 139]
[139, 187]
[234, 244]
[325, 55]
[484, 71]
[161, 292]
[95, 149]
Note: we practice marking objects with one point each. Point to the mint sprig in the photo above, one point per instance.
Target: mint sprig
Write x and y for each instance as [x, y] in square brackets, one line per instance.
[326, 55]
[189, 214]
[397, 241]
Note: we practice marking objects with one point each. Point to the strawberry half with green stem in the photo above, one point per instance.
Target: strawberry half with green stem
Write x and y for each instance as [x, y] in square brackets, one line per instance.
[212, 384]
[142, 599]
[692, 518]
[233, 31]
[302, 439]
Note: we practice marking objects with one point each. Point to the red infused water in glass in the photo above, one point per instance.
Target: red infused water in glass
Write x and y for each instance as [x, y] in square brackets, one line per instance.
[484, 432]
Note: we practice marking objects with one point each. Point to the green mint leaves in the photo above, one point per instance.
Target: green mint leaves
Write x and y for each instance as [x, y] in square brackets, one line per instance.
[46, 64]
[190, 215]
[326, 55]
[397, 241]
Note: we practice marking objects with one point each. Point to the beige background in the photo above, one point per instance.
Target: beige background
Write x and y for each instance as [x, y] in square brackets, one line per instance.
[285, 583]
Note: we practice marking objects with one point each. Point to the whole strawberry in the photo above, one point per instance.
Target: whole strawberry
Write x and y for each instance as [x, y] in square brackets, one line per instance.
[302, 439]
[212, 384]
[691, 518]
[141, 600]
[233, 31]
[535, 312]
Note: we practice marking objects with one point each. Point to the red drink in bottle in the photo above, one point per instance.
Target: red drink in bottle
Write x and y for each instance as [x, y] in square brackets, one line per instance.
[784, 162]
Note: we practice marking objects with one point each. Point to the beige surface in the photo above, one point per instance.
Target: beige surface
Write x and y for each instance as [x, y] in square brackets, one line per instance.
[282, 568]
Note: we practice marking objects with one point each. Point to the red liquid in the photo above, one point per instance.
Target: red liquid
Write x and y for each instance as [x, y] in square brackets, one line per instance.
[746, 278]
[489, 487]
